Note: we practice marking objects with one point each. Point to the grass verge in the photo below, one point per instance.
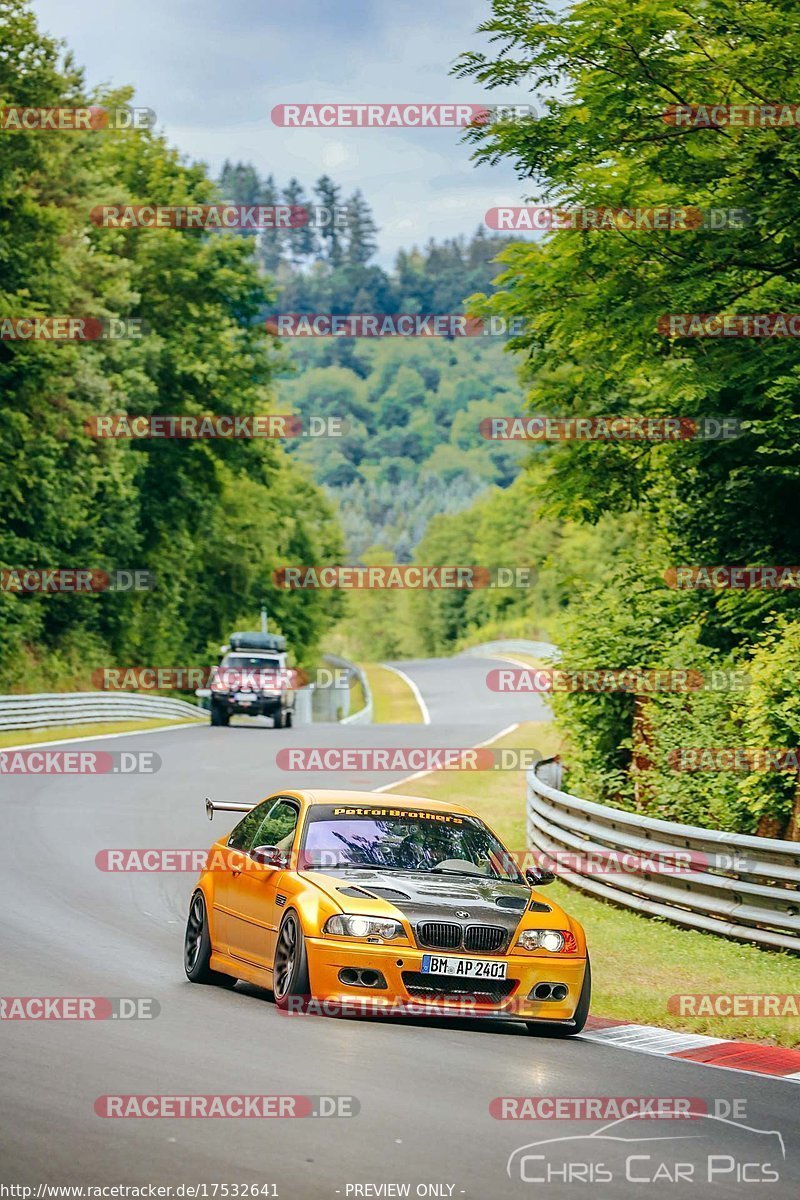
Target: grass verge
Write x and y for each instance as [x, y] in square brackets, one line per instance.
[32, 737]
[638, 962]
[393, 702]
[357, 698]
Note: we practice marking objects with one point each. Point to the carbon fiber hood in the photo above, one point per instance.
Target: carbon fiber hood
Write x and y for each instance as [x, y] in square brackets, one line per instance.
[458, 899]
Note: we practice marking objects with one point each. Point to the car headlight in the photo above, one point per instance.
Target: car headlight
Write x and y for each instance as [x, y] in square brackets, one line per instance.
[557, 941]
[347, 926]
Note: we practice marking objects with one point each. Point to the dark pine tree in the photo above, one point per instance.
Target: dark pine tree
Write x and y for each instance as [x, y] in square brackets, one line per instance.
[329, 195]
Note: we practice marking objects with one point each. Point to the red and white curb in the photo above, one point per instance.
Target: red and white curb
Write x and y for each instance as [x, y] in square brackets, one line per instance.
[778, 1061]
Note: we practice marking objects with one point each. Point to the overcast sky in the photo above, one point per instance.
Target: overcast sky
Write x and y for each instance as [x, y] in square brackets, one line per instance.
[214, 69]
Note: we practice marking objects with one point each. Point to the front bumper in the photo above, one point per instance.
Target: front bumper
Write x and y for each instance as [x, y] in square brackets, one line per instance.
[327, 956]
[259, 706]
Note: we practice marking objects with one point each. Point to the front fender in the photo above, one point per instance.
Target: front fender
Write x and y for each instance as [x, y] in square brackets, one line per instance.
[312, 905]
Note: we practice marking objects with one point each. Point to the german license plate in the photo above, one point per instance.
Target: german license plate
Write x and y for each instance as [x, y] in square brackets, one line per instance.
[243, 698]
[464, 968]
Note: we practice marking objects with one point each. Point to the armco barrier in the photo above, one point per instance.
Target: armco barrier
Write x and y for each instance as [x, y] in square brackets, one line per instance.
[364, 715]
[85, 708]
[745, 887]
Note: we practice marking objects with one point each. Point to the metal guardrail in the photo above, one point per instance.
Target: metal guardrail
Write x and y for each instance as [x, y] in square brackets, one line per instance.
[303, 705]
[741, 886]
[364, 715]
[50, 709]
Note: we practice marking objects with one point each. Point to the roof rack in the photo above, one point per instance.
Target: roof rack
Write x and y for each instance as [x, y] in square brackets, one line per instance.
[254, 640]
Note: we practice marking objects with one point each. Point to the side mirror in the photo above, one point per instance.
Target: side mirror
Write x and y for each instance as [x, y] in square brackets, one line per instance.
[539, 878]
[269, 856]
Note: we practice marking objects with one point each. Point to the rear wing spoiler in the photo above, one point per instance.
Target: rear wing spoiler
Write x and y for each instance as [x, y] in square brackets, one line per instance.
[212, 806]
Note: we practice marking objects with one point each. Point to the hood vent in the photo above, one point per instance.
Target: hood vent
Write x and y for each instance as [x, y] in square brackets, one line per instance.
[372, 892]
[389, 893]
[537, 906]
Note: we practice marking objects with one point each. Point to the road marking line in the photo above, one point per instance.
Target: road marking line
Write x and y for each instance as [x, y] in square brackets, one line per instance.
[420, 774]
[423, 708]
[496, 736]
[520, 662]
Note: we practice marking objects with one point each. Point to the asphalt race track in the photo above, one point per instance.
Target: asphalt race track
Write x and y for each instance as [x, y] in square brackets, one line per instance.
[424, 1088]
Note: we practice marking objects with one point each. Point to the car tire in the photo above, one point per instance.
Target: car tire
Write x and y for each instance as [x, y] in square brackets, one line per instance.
[277, 720]
[288, 719]
[218, 716]
[197, 947]
[547, 1029]
[290, 967]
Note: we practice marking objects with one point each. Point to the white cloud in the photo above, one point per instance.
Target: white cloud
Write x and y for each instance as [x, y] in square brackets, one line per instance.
[336, 155]
[213, 71]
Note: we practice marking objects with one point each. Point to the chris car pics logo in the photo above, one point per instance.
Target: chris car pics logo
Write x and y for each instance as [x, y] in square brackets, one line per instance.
[710, 1149]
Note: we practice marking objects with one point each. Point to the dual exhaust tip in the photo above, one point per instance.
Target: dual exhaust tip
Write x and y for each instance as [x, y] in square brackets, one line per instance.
[550, 991]
[356, 977]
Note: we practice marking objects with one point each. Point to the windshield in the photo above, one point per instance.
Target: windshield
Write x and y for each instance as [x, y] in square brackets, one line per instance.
[385, 838]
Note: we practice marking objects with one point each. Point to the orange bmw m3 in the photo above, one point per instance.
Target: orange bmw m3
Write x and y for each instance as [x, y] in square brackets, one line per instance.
[340, 896]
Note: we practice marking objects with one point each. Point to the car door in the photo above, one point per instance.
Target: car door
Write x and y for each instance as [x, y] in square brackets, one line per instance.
[230, 860]
[253, 912]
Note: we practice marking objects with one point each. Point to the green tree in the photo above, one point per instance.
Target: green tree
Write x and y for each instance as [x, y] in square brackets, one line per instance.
[361, 231]
[592, 299]
[591, 302]
[301, 240]
[329, 195]
[270, 240]
[211, 519]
